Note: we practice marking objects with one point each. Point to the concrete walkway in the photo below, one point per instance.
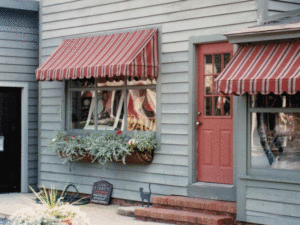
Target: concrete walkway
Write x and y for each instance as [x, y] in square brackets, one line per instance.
[97, 214]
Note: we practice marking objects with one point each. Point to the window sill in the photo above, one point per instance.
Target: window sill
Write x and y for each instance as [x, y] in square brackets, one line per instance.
[269, 179]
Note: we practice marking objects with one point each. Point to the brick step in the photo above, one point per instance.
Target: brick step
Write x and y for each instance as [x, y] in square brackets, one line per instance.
[195, 205]
[181, 217]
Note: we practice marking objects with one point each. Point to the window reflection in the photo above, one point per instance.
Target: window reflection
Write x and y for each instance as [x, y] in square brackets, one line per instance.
[275, 140]
[141, 110]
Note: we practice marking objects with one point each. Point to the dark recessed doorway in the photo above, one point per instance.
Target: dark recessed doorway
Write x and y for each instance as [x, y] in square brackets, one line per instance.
[10, 131]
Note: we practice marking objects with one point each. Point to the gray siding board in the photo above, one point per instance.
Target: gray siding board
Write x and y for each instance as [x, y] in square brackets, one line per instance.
[20, 77]
[174, 118]
[173, 149]
[19, 61]
[277, 208]
[175, 108]
[273, 195]
[19, 52]
[263, 218]
[175, 88]
[175, 98]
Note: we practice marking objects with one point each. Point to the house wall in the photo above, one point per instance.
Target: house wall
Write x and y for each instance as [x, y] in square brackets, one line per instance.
[279, 6]
[19, 39]
[177, 21]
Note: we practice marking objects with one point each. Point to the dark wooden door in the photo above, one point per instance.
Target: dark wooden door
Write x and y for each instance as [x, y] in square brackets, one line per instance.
[215, 117]
[10, 129]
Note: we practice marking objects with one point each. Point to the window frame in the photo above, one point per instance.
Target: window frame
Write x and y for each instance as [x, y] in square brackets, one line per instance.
[268, 174]
[124, 88]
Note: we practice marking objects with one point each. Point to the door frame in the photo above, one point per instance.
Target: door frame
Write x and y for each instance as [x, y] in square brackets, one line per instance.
[24, 130]
[201, 189]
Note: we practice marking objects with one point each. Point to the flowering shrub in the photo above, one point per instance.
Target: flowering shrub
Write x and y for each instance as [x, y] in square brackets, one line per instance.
[101, 147]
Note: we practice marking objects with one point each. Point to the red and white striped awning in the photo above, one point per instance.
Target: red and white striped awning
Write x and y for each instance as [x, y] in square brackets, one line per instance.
[262, 68]
[133, 54]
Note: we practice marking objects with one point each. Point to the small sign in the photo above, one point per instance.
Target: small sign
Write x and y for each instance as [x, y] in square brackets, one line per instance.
[101, 192]
[1, 143]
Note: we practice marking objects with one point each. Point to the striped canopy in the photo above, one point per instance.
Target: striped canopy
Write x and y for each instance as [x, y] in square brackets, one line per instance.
[114, 56]
[262, 68]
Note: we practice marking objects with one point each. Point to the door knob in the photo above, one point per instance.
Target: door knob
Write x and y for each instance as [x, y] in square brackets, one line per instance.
[199, 113]
[198, 123]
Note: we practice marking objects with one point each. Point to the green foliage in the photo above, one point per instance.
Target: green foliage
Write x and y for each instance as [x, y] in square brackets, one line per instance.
[102, 146]
[143, 141]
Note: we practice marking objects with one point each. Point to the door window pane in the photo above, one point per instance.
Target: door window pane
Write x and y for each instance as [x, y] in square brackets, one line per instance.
[226, 106]
[218, 63]
[141, 110]
[208, 65]
[208, 85]
[226, 59]
[218, 101]
[208, 106]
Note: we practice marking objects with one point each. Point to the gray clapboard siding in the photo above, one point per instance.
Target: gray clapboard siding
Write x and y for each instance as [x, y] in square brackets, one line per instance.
[273, 195]
[277, 208]
[88, 177]
[219, 20]
[21, 77]
[174, 119]
[174, 98]
[175, 108]
[161, 13]
[262, 218]
[128, 10]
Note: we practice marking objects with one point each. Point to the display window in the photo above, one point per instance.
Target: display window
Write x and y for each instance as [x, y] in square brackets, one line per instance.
[275, 131]
[112, 105]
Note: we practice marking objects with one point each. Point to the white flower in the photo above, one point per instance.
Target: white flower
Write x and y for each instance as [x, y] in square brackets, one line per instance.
[131, 141]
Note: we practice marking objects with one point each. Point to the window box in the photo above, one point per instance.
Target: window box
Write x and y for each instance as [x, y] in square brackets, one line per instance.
[104, 147]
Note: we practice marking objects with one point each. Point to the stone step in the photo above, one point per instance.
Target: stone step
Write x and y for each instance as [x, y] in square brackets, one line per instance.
[181, 217]
[195, 205]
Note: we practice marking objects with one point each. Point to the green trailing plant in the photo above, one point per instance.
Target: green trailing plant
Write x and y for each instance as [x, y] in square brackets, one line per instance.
[101, 147]
[143, 142]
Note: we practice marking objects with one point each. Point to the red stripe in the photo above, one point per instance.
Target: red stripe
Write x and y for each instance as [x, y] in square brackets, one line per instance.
[116, 55]
[262, 68]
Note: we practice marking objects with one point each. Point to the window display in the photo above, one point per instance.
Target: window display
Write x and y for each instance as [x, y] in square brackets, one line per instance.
[275, 132]
[101, 106]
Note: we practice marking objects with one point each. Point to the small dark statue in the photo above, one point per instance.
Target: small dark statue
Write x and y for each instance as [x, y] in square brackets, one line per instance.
[145, 196]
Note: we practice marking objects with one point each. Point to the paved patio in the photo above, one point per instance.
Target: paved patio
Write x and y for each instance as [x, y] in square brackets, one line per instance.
[97, 214]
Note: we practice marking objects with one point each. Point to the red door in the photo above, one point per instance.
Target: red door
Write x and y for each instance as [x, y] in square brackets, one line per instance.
[215, 121]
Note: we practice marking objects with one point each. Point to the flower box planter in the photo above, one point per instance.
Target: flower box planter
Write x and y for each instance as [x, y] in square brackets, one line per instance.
[137, 157]
[79, 158]
[104, 147]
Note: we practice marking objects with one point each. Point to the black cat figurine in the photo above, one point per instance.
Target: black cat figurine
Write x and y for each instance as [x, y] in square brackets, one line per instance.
[145, 196]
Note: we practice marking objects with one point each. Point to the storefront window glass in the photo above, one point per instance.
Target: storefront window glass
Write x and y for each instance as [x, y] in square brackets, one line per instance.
[275, 133]
[101, 106]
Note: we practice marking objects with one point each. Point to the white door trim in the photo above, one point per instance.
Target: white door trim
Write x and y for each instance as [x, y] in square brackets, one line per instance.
[24, 130]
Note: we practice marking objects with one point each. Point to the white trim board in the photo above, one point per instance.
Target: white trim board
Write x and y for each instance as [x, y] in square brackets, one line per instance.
[24, 130]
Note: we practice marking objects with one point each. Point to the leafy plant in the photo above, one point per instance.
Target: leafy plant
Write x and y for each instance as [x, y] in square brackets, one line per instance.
[143, 142]
[101, 147]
